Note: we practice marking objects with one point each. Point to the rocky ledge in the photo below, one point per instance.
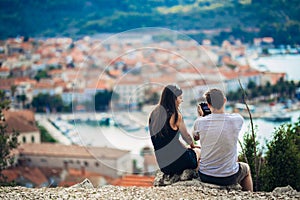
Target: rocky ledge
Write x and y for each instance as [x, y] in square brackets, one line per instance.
[190, 189]
[184, 186]
[167, 192]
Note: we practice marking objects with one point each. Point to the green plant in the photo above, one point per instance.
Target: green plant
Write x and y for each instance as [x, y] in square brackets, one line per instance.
[282, 161]
[8, 141]
[252, 140]
[249, 155]
[45, 136]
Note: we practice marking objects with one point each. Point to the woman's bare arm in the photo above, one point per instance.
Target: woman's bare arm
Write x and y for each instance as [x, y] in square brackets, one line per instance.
[183, 130]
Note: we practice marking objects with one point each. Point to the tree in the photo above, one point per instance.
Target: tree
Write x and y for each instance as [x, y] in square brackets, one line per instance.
[102, 100]
[282, 162]
[44, 102]
[291, 89]
[13, 90]
[41, 74]
[22, 98]
[248, 156]
[267, 90]
[153, 98]
[8, 141]
[251, 85]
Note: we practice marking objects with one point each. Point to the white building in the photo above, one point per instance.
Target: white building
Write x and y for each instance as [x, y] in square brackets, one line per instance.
[130, 90]
[23, 121]
[106, 161]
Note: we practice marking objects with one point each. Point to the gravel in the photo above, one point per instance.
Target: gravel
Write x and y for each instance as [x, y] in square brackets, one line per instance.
[167, 192]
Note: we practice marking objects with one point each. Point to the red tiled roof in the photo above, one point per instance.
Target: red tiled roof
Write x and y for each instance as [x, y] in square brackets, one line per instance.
[43, 85]
[77, 175]
[4, 69]
[55, 71]
[22, 121]
[5, 84]
[134, 180]
[115, 72]
[99, 84]
[21, 80]
[131, 80]
[166, 79]
[33, 174]
[10, 174]
[59, 150]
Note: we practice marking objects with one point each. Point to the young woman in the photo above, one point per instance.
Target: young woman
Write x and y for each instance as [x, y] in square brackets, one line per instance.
[165, 125]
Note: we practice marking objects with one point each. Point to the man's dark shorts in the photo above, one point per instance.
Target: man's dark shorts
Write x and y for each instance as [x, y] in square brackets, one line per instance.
[229, 180]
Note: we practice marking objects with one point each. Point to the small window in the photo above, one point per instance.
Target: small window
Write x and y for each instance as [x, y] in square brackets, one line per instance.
[71, 161]
[32, 139]
[78, 162]
[86, 164]
[96, 164]
[24, 139]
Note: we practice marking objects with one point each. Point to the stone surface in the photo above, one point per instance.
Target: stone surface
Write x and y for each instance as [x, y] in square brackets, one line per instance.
[180, 189]
[189, 177]
[162, 179]
[115, 192]
[86, 183]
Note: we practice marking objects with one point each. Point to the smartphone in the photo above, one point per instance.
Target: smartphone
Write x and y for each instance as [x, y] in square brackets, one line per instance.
[205, 109]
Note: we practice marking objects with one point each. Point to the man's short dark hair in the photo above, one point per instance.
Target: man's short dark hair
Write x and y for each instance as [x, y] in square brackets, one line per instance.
[215, 98]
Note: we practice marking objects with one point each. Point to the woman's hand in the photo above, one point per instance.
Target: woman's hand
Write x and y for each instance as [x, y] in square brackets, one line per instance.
[192, 145]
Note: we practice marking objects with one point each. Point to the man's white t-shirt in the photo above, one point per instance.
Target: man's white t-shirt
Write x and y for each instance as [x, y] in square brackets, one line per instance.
[218, 138]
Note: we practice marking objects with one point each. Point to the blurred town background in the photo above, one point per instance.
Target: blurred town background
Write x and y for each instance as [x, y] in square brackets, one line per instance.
[79, 90]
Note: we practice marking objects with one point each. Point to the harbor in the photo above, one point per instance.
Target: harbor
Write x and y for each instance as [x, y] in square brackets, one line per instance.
[132, 133]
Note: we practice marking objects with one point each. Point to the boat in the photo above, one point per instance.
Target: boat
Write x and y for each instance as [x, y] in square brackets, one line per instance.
[277, 117]
[127, 125]
[131, 127]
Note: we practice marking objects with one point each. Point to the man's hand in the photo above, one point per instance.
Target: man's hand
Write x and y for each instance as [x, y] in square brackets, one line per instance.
[200, 111]
[196, 137]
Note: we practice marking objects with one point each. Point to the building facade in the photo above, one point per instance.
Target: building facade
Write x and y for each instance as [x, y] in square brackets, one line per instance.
[106, 161]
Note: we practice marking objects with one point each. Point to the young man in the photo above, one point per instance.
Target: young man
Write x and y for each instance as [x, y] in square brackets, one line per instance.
[218, 133]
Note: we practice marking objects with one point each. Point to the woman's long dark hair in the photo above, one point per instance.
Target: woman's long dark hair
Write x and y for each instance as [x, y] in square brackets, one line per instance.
[161, 115]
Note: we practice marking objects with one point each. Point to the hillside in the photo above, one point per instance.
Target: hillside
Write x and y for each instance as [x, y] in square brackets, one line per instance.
[75, 18]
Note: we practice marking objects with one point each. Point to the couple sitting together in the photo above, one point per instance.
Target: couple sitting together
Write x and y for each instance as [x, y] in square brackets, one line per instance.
[216, 159]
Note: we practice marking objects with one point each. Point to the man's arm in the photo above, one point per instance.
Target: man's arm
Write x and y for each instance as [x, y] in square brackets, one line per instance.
[196, 134]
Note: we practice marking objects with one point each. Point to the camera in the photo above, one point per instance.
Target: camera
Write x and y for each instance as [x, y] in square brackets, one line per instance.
[205, 109]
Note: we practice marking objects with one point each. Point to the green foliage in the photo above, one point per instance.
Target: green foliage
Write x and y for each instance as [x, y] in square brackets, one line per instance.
[234, 96]
[22, 98]
[46, 102]
[280, 166]
[152, 99]
[74, 18]
[282, 162]
[102, 100]
[283, 89]
[248, 156]
[8, 141]
[45, 136]
[41, 74]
